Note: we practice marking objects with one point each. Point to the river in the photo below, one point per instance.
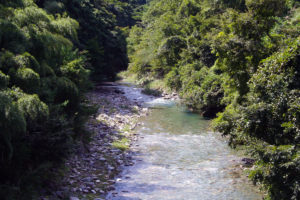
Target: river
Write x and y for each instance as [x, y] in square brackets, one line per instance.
[177, 157]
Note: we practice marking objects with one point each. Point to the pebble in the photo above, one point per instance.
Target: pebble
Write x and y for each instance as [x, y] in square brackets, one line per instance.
[86, 191]
[59, 194]
[74, 198]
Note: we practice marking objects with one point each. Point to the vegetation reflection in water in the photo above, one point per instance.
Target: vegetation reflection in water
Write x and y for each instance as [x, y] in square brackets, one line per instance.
[179, 158]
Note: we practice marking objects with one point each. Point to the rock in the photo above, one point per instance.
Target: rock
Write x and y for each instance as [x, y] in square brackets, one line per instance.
[74, 198]
[101, 192]
[87, 179]
[248, 162]
[110, 188]
[86, 191]
[92, 184]
[119, 91]
[59, 194]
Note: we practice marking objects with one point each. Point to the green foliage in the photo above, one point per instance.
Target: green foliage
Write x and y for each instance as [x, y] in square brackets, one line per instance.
[34, 110]
[279, 170]
[67, 92]
[12, 122]
[27, 79]
[266, 8]
[172, 79]
[66, 26]
[39, 103]
[168, 53]
[76, 72]
[201, 89]
[237, 4]
[28, 61]
[270, 114]
[100, 32]
[3, 80]
[11, 37]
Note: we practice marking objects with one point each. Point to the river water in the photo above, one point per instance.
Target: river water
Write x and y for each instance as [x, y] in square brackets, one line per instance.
[178, 158]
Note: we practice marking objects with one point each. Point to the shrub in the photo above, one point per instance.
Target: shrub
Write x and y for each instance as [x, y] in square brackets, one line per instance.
[27, 79]
[4, 79]
[67, 93]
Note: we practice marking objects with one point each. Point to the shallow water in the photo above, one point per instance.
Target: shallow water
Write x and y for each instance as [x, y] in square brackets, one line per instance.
[178, 158]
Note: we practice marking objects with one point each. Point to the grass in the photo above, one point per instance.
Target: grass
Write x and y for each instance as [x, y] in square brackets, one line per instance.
[135, 109]
[126, 128]
[122, 144]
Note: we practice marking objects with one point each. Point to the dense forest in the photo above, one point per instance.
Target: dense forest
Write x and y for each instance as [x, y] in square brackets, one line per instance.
[49, 52]
[237, 61]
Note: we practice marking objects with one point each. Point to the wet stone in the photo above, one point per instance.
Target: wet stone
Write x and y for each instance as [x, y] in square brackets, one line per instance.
[74, 198]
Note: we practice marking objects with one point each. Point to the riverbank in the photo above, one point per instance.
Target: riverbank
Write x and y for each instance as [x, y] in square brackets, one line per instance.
[90, 173]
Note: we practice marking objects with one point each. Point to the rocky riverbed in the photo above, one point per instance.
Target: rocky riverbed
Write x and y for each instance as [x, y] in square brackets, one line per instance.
[91, 172]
